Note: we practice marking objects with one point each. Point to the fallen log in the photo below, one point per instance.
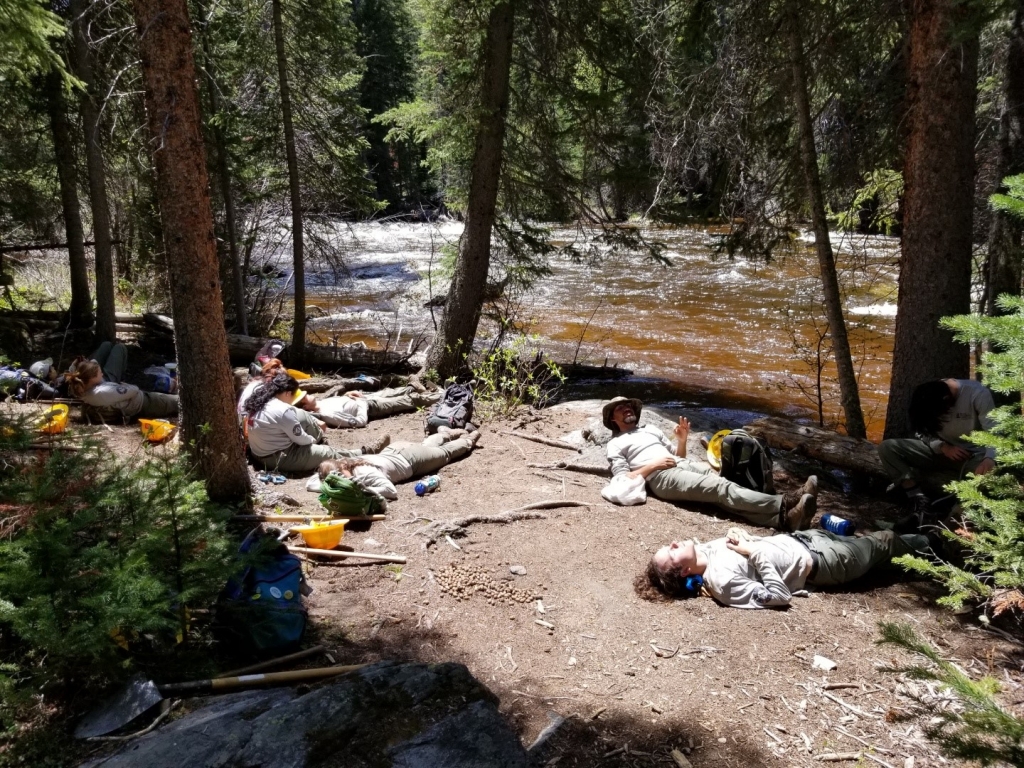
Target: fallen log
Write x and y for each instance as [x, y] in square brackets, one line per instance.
[820, 444]
[601, 470]
[443, 528]
[243, 349]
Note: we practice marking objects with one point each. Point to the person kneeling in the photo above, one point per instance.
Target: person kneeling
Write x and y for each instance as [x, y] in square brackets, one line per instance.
[398, 463]
[744, 571]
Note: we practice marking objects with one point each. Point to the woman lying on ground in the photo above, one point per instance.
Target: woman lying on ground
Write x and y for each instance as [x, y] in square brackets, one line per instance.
[351, 410]
[98, 382]
[744, 571]
[398, 463]
[283, 438]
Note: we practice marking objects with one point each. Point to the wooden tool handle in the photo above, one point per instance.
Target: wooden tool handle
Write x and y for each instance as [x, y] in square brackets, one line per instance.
[340, 554]
[274, 662]
[303, 518]
[254, 681]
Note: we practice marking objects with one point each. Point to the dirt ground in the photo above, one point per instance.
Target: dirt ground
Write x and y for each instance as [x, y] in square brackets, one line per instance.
[633, 679]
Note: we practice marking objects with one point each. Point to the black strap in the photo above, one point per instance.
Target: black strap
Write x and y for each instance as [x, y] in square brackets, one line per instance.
[815, 560]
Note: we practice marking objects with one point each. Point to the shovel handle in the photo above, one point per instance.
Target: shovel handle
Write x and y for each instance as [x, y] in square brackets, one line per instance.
[255, 681]
[339, 554]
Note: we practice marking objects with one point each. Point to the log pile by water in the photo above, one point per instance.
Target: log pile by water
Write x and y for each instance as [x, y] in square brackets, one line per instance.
[819, 444]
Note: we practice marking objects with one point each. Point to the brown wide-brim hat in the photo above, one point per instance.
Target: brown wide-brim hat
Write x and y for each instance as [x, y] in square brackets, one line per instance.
[606, 412]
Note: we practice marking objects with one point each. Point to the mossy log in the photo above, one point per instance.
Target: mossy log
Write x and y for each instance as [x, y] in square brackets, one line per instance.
[819, 444]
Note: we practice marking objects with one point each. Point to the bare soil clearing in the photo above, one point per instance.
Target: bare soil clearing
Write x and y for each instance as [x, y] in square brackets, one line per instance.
[635, 680]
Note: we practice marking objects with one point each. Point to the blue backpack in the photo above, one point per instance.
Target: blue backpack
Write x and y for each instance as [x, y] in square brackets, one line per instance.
[261, 608]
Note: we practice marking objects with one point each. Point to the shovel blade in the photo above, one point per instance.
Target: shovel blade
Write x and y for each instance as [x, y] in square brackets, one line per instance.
[137, 697]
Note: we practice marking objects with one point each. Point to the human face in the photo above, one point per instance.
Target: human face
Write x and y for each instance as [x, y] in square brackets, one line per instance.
[624, 416]
[678, 557]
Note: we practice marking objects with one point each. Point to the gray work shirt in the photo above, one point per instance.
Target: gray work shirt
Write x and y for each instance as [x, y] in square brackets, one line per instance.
[968, 414]
[126, 398]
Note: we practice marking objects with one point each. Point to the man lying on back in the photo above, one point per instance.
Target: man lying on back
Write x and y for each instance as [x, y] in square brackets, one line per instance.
[646, 452]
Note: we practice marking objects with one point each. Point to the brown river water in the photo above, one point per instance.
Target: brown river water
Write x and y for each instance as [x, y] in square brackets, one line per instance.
[702, 331]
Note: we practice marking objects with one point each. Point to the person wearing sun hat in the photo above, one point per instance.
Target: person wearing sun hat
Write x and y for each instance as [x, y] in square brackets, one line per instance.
[644, 451]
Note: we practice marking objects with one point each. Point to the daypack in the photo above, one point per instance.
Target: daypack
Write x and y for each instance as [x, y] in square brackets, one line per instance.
[747, 461]
[344, 497]
[261, 608]
[454, 409]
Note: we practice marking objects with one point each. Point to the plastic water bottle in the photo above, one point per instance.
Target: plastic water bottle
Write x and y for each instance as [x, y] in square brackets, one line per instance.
[427, 485]
[838, 525]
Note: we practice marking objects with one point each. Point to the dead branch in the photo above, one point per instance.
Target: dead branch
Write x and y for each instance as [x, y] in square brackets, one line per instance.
[443, 528]
[544, 440]
[590, 469]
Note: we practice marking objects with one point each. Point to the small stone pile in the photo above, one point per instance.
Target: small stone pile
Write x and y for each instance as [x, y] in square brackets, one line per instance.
[462, 581]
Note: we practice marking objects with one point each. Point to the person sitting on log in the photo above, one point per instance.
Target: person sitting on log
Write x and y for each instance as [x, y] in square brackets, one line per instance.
[99, 382]
[283, 438]
[645, 452]
[744, 571]
[401, 462]
[943, 413]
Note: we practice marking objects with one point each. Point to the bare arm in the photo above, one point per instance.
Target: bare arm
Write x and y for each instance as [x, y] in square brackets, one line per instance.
[682, 433]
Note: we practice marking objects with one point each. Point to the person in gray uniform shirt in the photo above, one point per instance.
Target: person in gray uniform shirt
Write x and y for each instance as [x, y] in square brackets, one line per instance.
[99, 383]
[942, 413]
[644, 451]
[283, 438]
[744, 571]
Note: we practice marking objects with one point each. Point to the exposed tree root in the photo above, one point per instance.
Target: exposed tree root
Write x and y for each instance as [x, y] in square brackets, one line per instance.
[456, 528]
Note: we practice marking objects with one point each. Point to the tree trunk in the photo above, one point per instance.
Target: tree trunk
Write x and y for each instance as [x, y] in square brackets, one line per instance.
[89, 108]
[935, 263]
[466, 294]
[209, 424]
[849, 395]
[297, 351]
[1004, 237]
[67, 176]
[224, 177]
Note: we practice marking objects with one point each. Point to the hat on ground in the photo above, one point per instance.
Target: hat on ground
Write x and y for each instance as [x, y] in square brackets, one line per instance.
[606, 412]
[714, 449]
[41, 369]
[299, 394]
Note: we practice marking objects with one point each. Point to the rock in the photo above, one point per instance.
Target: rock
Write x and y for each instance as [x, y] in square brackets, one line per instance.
[517, 570]
[422, 715]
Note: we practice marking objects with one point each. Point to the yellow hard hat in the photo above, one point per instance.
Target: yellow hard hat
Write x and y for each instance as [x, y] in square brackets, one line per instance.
[299, 394]
[715, 448]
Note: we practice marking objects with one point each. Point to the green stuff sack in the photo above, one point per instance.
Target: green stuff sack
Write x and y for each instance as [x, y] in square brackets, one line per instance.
[343, 497]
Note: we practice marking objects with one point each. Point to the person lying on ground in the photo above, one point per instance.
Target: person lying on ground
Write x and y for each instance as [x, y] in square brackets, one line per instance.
[943, 413]
[645, 452]
[401, 462]
[353, 409]
[99, 383]
[39, 382]
[744, 571]
[283, 438]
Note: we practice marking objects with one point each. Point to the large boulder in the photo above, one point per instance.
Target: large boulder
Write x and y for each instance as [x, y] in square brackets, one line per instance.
[389, 714]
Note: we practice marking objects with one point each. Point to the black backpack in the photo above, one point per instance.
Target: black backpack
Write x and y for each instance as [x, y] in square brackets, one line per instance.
[454, 409]
[747, 461]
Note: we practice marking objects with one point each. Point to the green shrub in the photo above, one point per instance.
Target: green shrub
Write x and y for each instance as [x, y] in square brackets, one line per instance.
[992, 541]
[979, 729]
[507, 379]
[101, 562]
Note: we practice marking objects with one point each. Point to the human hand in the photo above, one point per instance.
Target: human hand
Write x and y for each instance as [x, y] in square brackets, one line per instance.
[355, 394]
[665, 462]
[986, 466]
[737, 545]
[321, 424]
[682, 430]
[954, 453]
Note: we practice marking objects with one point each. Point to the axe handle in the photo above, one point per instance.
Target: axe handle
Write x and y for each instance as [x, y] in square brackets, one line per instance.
[255, 681]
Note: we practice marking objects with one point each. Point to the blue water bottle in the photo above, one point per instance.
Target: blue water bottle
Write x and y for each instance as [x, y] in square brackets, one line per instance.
[838, 525]
[427, 485]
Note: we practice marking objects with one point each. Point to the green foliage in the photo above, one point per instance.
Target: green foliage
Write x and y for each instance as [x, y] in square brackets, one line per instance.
[1013, 201]
[981, 731]
[876, 204]
[101, 562]
[993, 505]
[509, 378]
[26, 30]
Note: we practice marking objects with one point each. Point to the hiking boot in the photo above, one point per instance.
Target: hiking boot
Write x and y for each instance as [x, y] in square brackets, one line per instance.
[810, 486]
[416, 384]
[378, 445]
[450, 434]
[921, 516]
[799, 516]
[474, 437]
